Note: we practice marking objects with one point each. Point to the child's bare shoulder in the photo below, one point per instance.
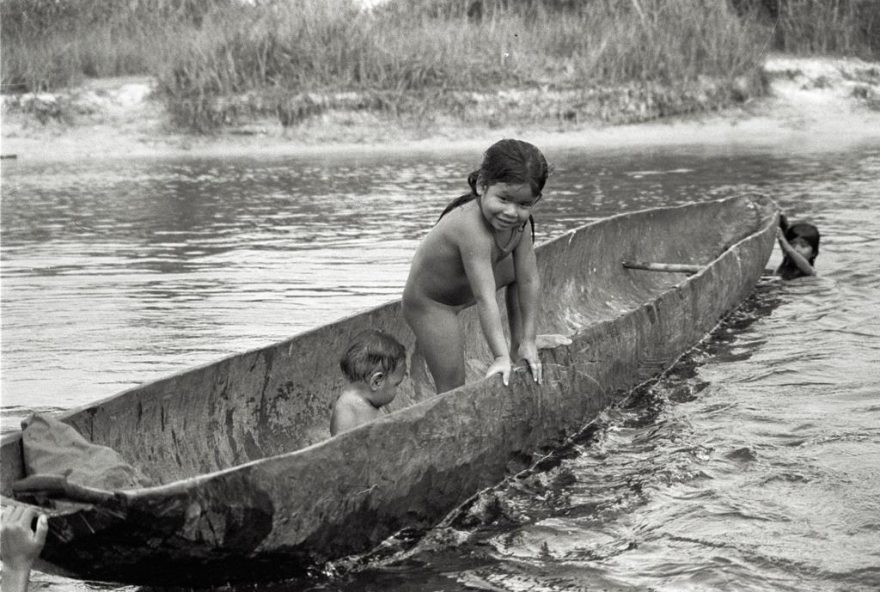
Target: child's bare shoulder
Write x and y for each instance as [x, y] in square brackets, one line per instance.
[464, 225]
[349, 399]
[349, 411]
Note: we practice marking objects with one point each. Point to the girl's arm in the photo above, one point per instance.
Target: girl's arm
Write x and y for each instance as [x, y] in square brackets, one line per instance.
[796, 257]
[476, 255]
[528, 286]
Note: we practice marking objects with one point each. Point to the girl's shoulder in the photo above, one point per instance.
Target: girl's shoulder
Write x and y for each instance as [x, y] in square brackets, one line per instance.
[464, 214]
[457, 203]
[464, 225]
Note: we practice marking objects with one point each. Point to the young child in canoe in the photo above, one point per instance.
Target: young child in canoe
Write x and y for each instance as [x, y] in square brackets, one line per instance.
[482, 241]
[374, 364]
[800, 246]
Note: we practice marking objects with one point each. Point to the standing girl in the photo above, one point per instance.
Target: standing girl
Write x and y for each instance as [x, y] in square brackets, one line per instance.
[480, 244]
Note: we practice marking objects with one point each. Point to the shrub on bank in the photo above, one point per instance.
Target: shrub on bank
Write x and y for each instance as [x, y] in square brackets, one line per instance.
[50, 44]
[225, 59]
[825, 27]
[434, 48]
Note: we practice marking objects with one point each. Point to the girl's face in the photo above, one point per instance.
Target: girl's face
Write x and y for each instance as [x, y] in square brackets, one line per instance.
[802, 248]
[506, 205]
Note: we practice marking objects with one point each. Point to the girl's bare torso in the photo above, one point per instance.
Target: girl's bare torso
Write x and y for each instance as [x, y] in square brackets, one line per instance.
[437, 272]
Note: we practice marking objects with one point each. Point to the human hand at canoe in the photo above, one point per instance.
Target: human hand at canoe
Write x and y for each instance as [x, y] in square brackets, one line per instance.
[501, 365]
[528, 351]
[783, 242]
[20, 544]
[783, 222]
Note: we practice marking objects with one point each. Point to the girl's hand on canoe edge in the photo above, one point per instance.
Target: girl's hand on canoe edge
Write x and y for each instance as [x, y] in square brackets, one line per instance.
[501, 365]
[528, 351]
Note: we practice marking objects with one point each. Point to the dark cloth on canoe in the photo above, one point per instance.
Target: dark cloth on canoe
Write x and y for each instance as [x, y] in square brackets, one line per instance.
[51, 447]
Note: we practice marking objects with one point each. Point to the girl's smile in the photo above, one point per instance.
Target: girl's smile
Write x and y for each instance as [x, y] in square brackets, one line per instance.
[505, 205]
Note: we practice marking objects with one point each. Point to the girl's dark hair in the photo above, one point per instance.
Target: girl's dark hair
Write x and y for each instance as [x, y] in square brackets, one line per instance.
[371, 351]
[506, 161]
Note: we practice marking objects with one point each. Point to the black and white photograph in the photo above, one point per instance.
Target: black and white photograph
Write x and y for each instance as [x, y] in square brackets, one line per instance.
[440, 295]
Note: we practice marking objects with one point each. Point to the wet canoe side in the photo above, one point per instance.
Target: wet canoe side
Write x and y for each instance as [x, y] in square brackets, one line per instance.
[276, 516]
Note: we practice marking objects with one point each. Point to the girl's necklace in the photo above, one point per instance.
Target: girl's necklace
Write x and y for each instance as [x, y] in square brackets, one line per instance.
[514, 233]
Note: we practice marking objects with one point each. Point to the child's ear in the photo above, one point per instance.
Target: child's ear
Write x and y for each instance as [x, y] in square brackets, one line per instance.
[376, 380]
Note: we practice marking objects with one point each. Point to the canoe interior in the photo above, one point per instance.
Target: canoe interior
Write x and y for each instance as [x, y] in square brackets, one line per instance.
[278, 399]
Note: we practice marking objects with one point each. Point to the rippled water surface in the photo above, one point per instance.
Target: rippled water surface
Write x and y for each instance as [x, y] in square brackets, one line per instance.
[753, 465]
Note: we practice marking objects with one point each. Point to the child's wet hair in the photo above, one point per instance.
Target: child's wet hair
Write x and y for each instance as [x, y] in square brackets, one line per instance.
[506, 161]
[371, 351]
[513, 162]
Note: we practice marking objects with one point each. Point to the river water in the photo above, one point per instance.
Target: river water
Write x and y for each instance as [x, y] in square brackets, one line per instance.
[753, 465]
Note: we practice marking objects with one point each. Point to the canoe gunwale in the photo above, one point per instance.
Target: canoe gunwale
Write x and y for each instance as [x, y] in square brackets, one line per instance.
[182, 485]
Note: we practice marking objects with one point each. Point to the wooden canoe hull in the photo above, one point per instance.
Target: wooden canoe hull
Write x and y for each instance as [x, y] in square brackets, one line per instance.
[267, 514]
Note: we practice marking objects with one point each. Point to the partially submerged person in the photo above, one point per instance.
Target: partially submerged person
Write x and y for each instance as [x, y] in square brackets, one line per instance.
[480, 244]
[22, 536]
[800, 246]
[374, 365]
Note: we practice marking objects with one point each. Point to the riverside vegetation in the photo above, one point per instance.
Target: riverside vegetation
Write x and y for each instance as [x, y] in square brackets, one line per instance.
[495, 62]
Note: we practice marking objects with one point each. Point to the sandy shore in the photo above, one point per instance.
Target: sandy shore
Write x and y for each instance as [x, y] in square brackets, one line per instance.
[814, 103]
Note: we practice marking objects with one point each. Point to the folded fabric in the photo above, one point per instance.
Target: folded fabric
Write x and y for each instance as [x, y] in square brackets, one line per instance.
[52, 447]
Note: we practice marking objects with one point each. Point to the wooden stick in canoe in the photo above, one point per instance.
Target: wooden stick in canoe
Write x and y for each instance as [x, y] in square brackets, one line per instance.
[57, 486]
[651, 266]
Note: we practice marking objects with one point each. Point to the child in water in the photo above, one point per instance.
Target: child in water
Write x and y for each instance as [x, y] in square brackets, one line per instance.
[478, 245]
[374, 364]
[800, 246]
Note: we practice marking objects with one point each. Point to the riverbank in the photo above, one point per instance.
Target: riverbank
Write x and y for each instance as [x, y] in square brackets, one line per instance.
[808, 101]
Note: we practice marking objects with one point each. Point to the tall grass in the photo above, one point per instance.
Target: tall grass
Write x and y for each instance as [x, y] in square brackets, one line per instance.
[49, 44]
[848, 27]
[214, 59]
[330, 45]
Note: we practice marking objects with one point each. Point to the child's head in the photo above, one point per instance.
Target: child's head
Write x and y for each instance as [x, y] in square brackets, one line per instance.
[513, 162]
[804, 238]
[378, 360]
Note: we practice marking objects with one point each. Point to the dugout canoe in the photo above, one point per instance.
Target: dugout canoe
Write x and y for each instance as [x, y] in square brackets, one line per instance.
[252, 487]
